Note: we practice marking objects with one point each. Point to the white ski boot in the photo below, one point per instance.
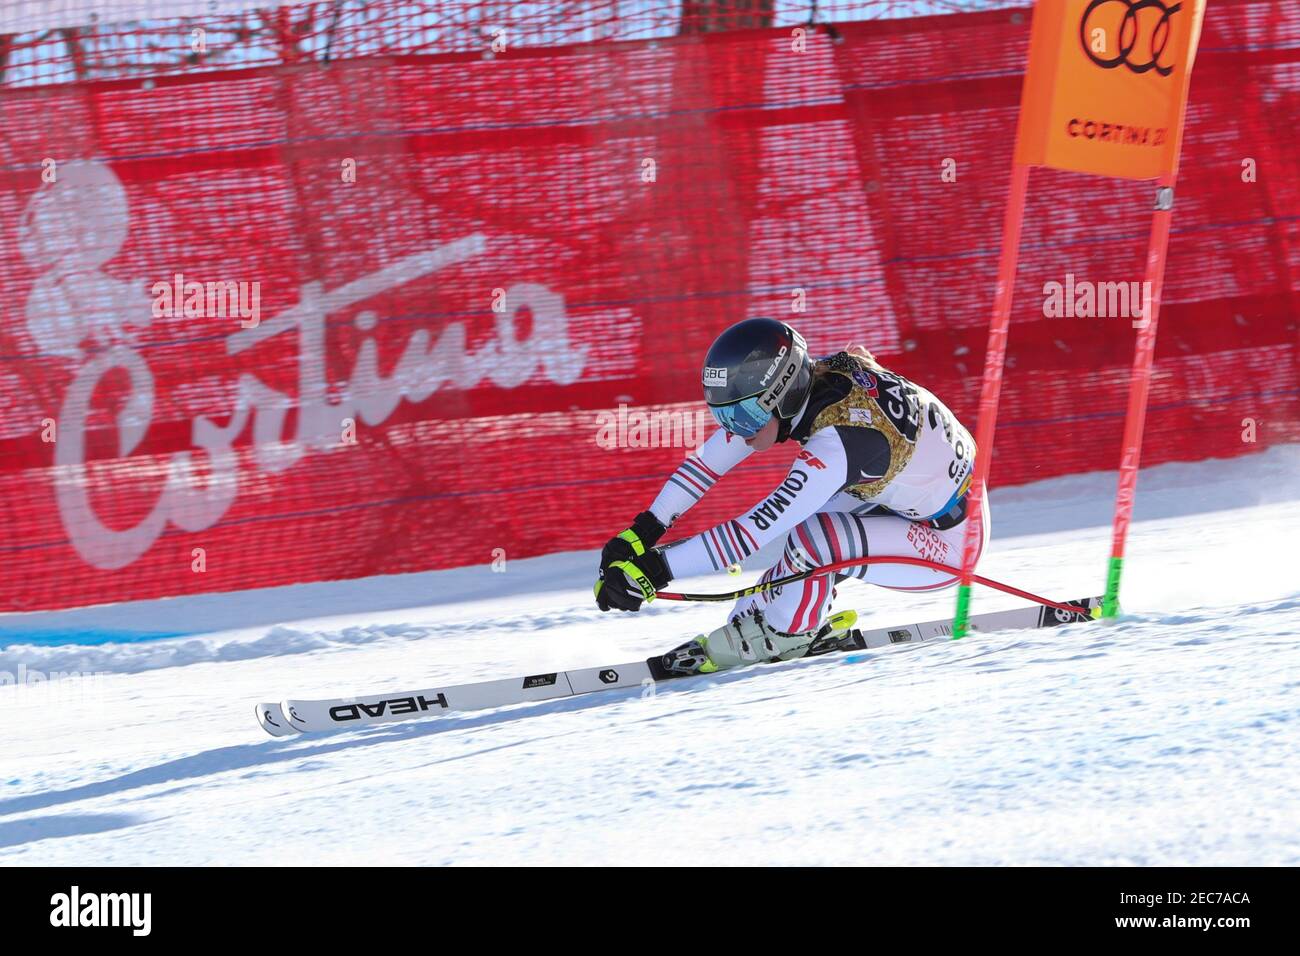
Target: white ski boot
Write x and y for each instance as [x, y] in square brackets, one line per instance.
[748, 639]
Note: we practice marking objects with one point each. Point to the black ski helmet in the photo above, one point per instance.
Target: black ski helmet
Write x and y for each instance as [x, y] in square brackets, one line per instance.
[756, 368]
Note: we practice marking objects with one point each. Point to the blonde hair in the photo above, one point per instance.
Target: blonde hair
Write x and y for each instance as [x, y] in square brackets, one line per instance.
[860, 351]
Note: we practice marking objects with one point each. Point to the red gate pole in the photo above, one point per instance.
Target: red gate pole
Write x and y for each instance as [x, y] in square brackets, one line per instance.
[995, 356]
[1139, 390]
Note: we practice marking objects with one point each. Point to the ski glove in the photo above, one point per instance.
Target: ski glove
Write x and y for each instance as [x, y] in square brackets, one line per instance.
[625, 584]
[635, 541]
[628, 568]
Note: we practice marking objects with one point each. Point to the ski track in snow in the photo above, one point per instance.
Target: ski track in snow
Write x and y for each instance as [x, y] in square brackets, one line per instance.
[1168, 738]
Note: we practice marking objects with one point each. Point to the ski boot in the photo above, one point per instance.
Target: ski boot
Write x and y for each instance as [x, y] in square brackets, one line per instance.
[748, 639]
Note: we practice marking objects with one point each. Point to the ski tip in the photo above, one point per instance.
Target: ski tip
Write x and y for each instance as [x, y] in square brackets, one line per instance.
[271, 718]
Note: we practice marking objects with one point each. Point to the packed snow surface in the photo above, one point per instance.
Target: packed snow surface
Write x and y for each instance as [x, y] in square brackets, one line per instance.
[1169, 737]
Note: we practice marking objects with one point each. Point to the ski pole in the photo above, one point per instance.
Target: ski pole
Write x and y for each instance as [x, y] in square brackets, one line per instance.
[855, 562]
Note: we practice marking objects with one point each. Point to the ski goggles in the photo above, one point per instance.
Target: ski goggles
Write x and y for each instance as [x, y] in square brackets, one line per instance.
[744, 418]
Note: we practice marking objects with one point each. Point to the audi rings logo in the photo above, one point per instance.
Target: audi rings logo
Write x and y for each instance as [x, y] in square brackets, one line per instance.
[1140, 54]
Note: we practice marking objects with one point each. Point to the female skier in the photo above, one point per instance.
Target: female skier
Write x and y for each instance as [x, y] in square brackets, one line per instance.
[885, 470]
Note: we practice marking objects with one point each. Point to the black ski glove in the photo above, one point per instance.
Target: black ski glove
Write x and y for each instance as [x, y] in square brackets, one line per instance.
[625, 584]
[622, 587]
[635, 541]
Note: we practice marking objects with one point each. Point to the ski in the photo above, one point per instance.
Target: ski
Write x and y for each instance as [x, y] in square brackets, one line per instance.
[307, 716]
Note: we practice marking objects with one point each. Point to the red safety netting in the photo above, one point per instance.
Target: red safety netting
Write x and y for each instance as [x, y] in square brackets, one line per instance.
[463, 262]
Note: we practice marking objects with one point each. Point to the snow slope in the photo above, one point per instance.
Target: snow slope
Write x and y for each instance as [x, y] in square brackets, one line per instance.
[1167, 738]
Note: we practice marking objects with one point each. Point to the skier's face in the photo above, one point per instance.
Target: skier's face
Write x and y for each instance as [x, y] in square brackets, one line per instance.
[766, 436]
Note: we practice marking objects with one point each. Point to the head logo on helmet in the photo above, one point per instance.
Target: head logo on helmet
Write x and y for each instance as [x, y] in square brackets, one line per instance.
[775, 362]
